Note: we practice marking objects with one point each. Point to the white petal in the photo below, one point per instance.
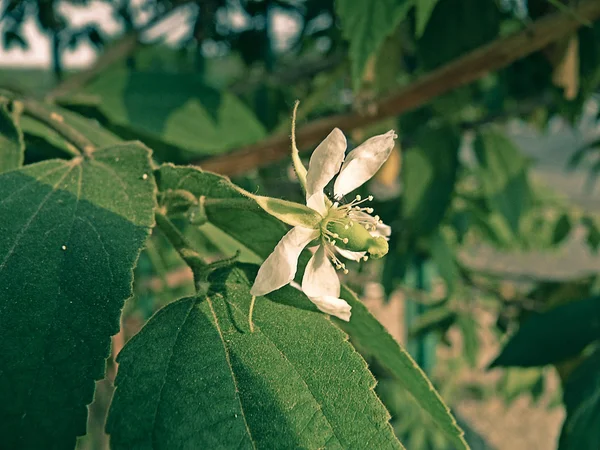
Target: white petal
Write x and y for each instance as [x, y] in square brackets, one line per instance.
[280, 267]
[320, 278]
[382, 230]
[333, 305]
[317, 202]
[363, 162]
[325, 162]
[354, 256]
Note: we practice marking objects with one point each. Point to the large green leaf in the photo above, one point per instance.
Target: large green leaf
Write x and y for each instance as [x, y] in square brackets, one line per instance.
[372, 338]
[429, 174]
[553, 336]
[176, 108]
[366, 24]
[503, 176]
[581, 429]
[12, 146]
[259, 232]
[423, 11]
[71, 234]
[196, 377]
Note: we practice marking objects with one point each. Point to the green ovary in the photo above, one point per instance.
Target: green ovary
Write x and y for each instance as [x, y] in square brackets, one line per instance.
[354, 237]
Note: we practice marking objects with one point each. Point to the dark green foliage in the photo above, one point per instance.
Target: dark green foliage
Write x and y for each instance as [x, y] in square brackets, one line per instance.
[456, 27]
[429, 173]
[581, 429]
[552, 337]
[176, 108]
[208, 382]
[366, 24]
[503, 177]
[12, 145]
[71, 234]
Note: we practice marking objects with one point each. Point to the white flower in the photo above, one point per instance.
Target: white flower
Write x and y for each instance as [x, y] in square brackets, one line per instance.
[348, 229]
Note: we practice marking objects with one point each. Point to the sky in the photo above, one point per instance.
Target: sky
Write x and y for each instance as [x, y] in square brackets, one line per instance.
[172, 29]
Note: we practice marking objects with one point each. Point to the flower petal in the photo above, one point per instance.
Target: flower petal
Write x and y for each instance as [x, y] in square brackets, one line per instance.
[328, 304]
[320, 278]
[325, 162]
[382, 230]
[317, 203]
[354, 256]
[332, 305]
[363, 162]
[280, 267]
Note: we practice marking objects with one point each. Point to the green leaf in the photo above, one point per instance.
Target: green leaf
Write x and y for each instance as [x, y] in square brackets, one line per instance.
[71, 234]
[366, 24]
[562, 228]
[225, 207]
[593, 232]
[372, 338]
[196, 377]
[260, 232]
[176, 108]
[424, 9]
[581, 429]
[444, 258]
[456, 27]
[503, 176]
[552, 337]
[429, 174]
[12, 145]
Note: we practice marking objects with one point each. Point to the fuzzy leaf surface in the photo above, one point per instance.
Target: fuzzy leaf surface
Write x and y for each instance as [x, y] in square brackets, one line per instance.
[71, 235]
[196, 377]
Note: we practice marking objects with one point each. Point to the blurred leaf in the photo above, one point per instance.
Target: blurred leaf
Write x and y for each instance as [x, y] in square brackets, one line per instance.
[438, 318]
[429, 174]
[518, 381]
[72, 232]
[371, 338]
[12, 145]
[503, 176]
[456, 27]
[470, 339]
[412, 425]
[366, 24]
[196, 377]
[178, 109]
[424, 9]
[579, 155]
[444, 258]
[581, 429]
[12, 38]
[553, 336]
[562, 228]
[593, 233]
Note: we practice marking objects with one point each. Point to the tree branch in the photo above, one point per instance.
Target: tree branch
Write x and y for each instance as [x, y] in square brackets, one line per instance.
[462, 71]
[125, 47]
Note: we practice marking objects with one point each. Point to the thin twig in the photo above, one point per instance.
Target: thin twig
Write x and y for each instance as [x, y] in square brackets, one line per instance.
[57, 122]
[462, 71]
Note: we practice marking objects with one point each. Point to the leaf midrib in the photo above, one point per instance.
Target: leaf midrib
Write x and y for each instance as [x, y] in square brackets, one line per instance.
[235, 383]
[257, 328]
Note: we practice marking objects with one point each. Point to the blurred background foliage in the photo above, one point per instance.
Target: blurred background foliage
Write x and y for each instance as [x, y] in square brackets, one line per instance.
[490, 191]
